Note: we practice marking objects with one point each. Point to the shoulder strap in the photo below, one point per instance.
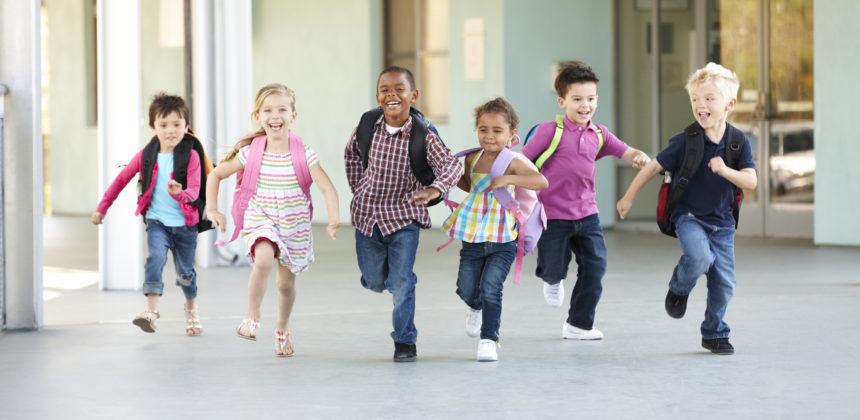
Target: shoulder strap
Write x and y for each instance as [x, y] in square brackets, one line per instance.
[147, 162]
[556, 138]
[364, 133]
[181, 158]
[300, 163]
[735, 144]
[599, 137]
[503, 160]
[694, 148]
[418, 149]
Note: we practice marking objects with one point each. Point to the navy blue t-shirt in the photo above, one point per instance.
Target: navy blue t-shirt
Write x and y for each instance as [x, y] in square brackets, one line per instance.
[708, 196]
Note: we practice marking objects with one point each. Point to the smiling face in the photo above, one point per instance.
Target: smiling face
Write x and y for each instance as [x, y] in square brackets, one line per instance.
[395, 95]
[494, 131]
[275, 115]
[710, 106]
[170, 129]
[580, 102]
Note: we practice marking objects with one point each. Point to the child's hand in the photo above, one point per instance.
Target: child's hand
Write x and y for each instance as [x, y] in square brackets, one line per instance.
[217, 219]
[717, 165]
[640, 160]
[623, 206]
[173, 187]
[97, 218]
[500, 181]
[331, 229]
[421, 198]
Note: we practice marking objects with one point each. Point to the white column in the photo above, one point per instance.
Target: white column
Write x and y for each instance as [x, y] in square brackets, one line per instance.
[119, 115]
[227, 85]
[20, 71]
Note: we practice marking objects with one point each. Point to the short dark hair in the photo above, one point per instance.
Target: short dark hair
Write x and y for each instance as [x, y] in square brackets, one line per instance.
[573, 72]
[501, 106]
[401, 70]
[164, 104]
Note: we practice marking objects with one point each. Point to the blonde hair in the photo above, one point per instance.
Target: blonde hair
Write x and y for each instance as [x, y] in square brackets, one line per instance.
[262, 94]
[724, 79]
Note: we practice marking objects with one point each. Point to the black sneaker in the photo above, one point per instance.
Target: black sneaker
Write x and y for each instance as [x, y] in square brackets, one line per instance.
[676, 305]
[404, 352]
[718, 345]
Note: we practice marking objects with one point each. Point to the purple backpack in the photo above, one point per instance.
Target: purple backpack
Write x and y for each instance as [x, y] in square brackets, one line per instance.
[524, 205]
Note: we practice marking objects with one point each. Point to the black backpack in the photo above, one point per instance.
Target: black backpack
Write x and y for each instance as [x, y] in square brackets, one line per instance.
[670, 192]
[417, 147]
[181, 156]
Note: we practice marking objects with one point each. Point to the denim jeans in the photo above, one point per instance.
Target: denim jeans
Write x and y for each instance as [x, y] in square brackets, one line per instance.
[386, 263]
[708, 250]
[584, 239]
[182, 241]
[484, 266]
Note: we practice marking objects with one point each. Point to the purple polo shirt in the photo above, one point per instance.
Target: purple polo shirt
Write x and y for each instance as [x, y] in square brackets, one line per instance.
[570, 171]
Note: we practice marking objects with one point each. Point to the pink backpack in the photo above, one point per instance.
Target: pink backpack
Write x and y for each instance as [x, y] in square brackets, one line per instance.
[246, 179]
[525, 206]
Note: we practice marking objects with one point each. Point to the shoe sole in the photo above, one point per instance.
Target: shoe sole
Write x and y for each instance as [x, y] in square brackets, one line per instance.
[720, 353]
[144, 325]
[406, 359]
[582, 339]
[488, 359]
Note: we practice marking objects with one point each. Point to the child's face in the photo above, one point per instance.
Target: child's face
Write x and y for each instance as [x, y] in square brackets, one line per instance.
[395, 96]
[494, 131]
[170, 129]
[580, 102]
[276, 115]
[710, 107]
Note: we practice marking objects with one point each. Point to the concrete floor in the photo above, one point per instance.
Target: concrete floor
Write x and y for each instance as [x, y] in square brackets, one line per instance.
[795, 327]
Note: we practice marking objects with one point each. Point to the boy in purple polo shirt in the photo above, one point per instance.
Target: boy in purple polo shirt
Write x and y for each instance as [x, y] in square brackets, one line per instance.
[573, 227]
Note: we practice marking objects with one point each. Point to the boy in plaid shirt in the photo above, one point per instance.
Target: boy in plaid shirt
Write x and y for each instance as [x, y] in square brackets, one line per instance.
[389, 204]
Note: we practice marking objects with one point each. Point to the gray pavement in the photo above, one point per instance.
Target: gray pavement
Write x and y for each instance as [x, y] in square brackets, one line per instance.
[794, 320]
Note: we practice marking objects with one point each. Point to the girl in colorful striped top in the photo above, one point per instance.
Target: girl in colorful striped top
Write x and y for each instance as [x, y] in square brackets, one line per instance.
[276, 219]
[488, 230]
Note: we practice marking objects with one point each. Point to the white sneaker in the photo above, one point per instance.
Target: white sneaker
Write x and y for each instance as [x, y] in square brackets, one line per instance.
[569, 332]
[474, 319]
[554, 293]
[487, 351]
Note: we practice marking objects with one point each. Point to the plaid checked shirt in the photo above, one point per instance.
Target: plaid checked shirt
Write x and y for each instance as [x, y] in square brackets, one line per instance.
[380, 193]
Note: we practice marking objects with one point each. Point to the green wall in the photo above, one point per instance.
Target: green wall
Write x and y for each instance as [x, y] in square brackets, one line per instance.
[837, 177]
[323, 51]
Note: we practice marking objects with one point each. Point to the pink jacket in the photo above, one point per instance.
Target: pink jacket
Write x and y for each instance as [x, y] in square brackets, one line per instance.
[184, 197]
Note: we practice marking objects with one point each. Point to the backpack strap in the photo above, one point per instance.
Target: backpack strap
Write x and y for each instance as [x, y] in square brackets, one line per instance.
[147, 162]
[733, 155]
[300, 166]
[364, 133]
[694, 148]
[246, 183]
[506, 200]
[556, 138]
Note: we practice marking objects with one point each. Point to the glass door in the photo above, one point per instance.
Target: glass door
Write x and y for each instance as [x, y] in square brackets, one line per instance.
[768, 43]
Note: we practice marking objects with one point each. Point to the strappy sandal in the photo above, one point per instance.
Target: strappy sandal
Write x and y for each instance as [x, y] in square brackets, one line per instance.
[252, 325]
[282, 338]
[193, 326]
[146, 320]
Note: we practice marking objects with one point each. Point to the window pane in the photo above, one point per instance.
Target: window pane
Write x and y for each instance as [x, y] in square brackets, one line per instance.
[434, 95]
[400, 27]
[434, 24]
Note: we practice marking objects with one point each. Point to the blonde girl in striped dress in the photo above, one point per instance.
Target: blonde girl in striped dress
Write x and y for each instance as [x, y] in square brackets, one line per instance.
[488, 231]
[276, 224]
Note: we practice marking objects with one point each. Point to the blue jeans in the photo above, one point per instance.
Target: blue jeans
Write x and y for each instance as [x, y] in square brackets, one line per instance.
[708, 250]
[182, 241]
[584, 239]
[484, 266]
[386, 263]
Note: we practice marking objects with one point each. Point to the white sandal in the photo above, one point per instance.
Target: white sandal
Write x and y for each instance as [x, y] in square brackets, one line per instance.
[252, 325]
[146, 320]
[192, 321]
[282, 338]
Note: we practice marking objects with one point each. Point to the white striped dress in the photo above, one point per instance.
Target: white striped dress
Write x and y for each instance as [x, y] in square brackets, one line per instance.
[279, 210]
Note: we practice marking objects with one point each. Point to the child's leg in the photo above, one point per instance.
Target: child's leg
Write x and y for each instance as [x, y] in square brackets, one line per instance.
[286, 299]
[372, 255]
[402, 247]
[590, 250]
[472, 260]
[696, 258]
[158, 243]
[554, 253]
[264, 260]
[184, 248]
[721, 283]
[493, 277]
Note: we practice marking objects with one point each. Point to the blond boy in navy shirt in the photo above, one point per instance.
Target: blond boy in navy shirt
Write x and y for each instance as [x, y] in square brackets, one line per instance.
[703, 218]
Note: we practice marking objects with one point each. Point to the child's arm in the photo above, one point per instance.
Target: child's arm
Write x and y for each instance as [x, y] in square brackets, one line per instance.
[636, 157]
[224, 170]
[116, 187]
[522, 175]
[192, 181]
[645, 174]
[745, 178]
[465, 182]
[448, 171]
[323, 182]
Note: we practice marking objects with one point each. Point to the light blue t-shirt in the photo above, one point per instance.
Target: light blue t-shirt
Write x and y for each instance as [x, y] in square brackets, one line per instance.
[162, 206]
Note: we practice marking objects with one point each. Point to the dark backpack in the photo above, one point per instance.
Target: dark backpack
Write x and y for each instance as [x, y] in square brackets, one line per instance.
[672, 189]
[181, 157]
[417, 144]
